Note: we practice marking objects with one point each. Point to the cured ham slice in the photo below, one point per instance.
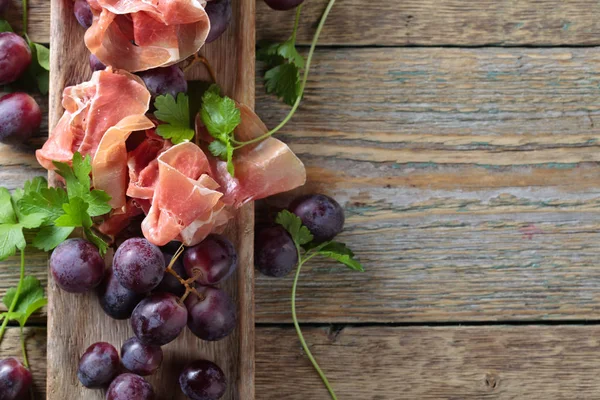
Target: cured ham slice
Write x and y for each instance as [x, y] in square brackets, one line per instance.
[185, 201]
[137, 35]
[91, 109]
[109, 165]
[261, 170]
[143, 166]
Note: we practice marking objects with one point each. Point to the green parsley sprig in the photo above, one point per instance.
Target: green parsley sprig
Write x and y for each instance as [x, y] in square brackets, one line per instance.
[176, 115]
[307, 249]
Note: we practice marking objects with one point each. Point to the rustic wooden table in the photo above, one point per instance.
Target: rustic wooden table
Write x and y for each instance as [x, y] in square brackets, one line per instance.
[462, 139]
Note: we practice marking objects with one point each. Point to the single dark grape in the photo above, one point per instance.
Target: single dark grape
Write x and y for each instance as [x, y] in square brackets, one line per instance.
[130, 387]
[77, 266]
[213, 317]
[321, 214]
[98, 365]
[219, 14]
[83, 13]
[3, 6]
[283, 5]
[96, 64]
[116, 301]
[20, 118]
[203, 380]
[139, 265]
[166, 80]
[15, 380]
[139, 358]
[158, 319]
[274, 252]
[211, 261]
[15, 57]
[169, 282]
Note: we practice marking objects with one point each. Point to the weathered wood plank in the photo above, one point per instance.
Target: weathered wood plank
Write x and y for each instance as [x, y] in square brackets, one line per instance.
[470, 180]
[499, 363]
[415, 22]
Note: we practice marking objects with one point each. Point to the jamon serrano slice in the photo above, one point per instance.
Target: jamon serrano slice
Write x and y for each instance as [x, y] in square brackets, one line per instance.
[137, 35]
[91, 108]
[185, 199]
[261, 170]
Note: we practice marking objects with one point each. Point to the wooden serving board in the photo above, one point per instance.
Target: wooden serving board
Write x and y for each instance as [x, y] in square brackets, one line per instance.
[77, 321]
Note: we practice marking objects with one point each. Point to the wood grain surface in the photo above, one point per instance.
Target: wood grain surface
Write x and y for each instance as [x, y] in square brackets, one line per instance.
[407, 363]
[416, 22]
[77, 321]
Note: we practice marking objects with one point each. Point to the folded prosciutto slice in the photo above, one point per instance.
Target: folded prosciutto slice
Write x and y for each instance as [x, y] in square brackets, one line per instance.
[137, 35]
[186, 205]
[261, 170]
[91, 109]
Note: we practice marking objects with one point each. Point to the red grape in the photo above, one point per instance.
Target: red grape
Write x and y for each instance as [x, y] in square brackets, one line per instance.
[130, 387]
[213, 317]
[158, 319]
[211, 261]
[96, 64]
[15, 380]
[98, 365]
[83, 13]
[274, 252]
[139, 358]
[76, 266]
[322, 215]
[219, 14]
[283, 5]
[203, 380]
[20, 117]
[167, 80]
[169, 282]
[116, 301]
[15, 57]
[139, 265]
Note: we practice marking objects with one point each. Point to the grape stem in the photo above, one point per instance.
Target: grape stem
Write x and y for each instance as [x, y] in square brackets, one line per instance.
[301, 262]
[187, 283]
[304, 79]
[203, 60]
[13, 304]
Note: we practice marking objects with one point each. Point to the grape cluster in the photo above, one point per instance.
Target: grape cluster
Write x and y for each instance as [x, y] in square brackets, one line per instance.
[274, 250]
[161, 293]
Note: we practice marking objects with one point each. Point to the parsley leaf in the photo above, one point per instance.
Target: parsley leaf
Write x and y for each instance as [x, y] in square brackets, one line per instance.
[75, 214]
[340, 252]
[5, 26]
[11, 239]
[176, 114]
[7, 213]
[30, 300]
[221, 116]
[39, 66]
[293, 224]
[50, 236]
[284, 81]
[96, 240]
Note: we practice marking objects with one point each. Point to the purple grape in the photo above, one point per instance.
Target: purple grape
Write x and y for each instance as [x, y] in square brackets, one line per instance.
[219, 14]
[15, 57]
[274, 252]
[20, 118]
[98, 365]
[282, 5]
[170, 283]
[3, 6]
[167, 80]
[96, 64]
[76, 266]
[211, 261]
[116, 301]
[158, 319]
[203, 380]
[139, 265]
[213, 317]
[139, 358]
[83, 13]
[15, 380]
[130, 387]
[321, 214]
